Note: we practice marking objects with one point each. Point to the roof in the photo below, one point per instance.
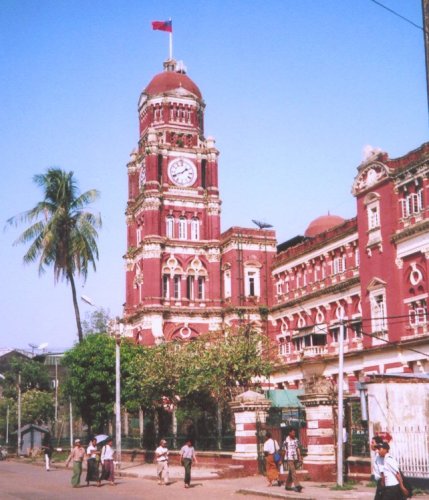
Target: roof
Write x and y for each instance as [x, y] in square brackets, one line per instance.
[322, 224]
[168, 81]
[285, 398]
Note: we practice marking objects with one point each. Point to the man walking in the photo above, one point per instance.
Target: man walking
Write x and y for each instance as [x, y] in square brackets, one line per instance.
[391, 478]
[187, 458]
[292, 460]
[76, 455]
[161, 454]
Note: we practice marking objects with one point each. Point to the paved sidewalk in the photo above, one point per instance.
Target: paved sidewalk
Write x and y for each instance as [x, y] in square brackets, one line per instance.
[216, 487]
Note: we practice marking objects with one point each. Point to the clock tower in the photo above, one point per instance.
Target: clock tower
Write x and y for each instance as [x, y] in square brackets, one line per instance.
[173, 215]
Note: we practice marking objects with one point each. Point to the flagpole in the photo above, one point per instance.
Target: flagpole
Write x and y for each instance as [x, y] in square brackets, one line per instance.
[171, 42]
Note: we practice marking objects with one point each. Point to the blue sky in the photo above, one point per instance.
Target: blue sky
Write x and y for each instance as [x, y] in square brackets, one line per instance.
[294, 90]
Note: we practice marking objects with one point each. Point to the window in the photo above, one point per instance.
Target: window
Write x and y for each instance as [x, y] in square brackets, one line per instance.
[201, 283]
[166, 286]
[339, 264]
[279, 287]
[252, 286]
[378, 313]
[227, 284]
[203, 173]
[418, 313]
[335, 334]
[412, 204]
[357, 329]
[177, 287]
[357, 257]
[190, 287]
[139, 235]
[284, 346]
[183, 226]
[195, 229]
[169, 226]
[373, 217]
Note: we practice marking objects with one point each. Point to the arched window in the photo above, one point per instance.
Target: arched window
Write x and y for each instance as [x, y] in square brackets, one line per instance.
[170, 226]
[183, 228]
[195, 229]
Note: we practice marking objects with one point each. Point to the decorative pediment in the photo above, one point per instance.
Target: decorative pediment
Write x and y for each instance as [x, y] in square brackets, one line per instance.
[369, 175]
[376, 284]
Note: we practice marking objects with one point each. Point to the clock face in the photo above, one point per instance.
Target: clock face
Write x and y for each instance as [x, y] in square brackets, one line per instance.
[142, 175]
[182, 172]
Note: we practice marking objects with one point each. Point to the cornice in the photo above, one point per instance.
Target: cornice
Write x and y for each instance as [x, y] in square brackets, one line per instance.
[338, 287]
[418, 228]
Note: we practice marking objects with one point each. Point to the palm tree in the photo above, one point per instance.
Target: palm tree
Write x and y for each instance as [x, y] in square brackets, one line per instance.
[62, 234]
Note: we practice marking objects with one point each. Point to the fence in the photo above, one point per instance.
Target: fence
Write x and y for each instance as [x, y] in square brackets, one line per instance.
[410, 446]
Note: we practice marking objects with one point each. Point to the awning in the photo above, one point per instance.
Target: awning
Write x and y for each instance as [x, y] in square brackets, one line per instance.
[285, 398]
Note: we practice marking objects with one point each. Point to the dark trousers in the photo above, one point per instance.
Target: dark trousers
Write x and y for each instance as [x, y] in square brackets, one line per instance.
[392, 493]
[187, 463]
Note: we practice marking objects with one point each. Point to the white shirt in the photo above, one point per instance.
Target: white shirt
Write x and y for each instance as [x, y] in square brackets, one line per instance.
[91, 451]
[107, 453]
[161, 454]
[291, 447]
[390, 468]
[378, 466]
[271, 446]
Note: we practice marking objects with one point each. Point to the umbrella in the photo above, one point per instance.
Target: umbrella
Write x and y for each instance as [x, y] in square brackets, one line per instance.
[100, 438]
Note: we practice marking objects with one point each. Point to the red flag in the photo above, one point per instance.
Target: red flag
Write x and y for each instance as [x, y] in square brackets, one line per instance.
[163, 26]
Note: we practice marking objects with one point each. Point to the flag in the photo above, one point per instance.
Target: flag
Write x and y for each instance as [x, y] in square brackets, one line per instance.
[163, 26]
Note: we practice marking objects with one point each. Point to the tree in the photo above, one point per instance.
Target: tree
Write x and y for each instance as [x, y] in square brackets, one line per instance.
[34, 375]
[62, 233]
[91, 379]
[96, 322]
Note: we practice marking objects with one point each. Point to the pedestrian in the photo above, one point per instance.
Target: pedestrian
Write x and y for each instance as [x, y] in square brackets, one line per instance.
[292, 459]
[107, 464]
[392, 485]
[47, 450]
[271, 447]
[187, 458]
[92, 462]
[161, 457]
[377, 466]
[76, 455]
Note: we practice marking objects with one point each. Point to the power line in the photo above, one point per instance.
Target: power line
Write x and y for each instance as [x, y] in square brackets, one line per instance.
[398, 15]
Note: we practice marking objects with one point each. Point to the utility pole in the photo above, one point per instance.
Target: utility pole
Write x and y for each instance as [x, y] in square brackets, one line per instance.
[19, 415]
[425, 12]
[340, 405]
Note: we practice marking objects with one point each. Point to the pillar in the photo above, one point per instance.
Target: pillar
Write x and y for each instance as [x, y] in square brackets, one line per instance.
[250, 413]
[319, 400]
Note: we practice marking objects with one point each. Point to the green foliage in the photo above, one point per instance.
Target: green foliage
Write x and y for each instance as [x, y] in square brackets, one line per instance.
[194, 376]
[91, 379]
[96, 322]
[34, 375]
[37, 407]
[62, 234]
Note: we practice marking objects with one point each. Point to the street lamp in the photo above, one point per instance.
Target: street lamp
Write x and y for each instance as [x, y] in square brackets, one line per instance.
[118, 331]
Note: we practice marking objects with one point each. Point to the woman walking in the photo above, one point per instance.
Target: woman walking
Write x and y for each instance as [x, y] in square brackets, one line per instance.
[93, 457]
[271, 447]
[107, 454]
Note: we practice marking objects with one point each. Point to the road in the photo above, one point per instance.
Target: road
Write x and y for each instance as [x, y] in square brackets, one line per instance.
[25, 481]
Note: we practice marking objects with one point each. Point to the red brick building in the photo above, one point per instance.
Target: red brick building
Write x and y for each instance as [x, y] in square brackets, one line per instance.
[185, 278]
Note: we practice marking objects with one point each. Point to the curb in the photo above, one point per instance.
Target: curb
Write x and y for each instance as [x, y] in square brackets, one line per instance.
[288, 496]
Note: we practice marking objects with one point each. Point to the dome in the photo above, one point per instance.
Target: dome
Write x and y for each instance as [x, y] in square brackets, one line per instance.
[322, 224]
[168, 81]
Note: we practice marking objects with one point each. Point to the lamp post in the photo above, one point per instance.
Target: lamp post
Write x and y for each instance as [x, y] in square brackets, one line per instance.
[2, 377]
[18, 446]
[340, 457]
[118, 330]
